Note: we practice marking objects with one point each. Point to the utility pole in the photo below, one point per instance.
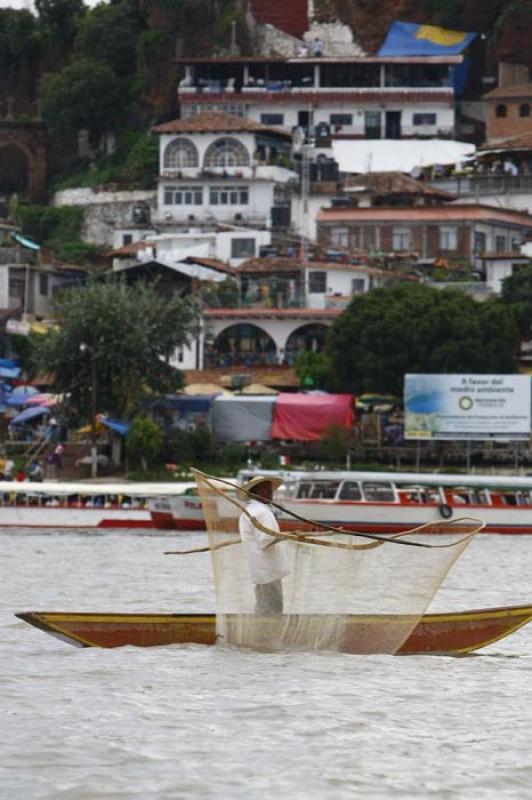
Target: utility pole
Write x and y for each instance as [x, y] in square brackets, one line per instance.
[85, 348]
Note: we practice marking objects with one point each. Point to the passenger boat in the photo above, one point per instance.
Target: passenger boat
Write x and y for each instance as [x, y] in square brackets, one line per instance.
[380, 502]
[57, 504]
[450, 634]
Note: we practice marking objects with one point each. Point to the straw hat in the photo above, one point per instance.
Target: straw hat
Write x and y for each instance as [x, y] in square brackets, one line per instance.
[275, 482]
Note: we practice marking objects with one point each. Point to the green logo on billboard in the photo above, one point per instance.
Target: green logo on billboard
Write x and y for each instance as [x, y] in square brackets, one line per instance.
[465, 403]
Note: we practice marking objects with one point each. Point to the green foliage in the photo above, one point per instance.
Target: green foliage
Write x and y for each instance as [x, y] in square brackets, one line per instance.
[19, 41]
[108, 34]
[135, 162]
[58, 21]
[189, 447]
[58, 229]
[414, 328]
[144, 442]
[313, 366]
[123, 334]
[234, 455]
[517, 293]
[85, 95]
[445, 12]
[46, 224]
[221, 295]
[335, 443]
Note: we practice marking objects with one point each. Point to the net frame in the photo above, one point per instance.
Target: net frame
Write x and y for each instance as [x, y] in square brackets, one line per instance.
[340, 594]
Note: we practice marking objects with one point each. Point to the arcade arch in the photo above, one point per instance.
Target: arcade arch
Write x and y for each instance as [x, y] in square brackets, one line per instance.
[23, 159]
[243, 344]
[14, 170]
[306, 338]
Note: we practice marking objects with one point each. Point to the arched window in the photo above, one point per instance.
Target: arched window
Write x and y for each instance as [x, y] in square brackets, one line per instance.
[180, 153]
[226, 153]
[500, 111]
[524, 110]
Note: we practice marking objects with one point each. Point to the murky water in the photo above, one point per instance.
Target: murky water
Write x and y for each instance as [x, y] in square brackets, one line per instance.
[197, 722]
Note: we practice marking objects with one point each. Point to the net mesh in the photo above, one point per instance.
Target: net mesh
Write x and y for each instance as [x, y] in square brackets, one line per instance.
[337, 591]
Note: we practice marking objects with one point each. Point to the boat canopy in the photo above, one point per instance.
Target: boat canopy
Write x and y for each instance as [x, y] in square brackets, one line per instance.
[65, 489]
[416, 479]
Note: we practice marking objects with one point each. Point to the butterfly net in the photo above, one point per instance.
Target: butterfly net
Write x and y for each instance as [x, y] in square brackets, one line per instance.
[336, 591]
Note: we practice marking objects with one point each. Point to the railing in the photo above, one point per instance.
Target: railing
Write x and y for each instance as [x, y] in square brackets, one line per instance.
[473, 185]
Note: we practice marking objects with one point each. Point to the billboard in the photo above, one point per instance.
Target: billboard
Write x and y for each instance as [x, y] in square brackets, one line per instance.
[467, 407]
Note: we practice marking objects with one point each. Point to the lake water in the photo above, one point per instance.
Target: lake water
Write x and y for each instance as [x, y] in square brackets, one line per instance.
[197, 722]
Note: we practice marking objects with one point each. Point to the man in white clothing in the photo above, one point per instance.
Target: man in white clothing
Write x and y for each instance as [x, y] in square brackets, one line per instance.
[267, 561]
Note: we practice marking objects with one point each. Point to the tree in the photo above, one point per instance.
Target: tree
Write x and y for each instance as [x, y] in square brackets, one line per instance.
[86, 94]
[108, 33]
[19, 43]
[121, 335]
[517, 293]
[313, 369]
[58, 21]
[414, 328]
[144, 442]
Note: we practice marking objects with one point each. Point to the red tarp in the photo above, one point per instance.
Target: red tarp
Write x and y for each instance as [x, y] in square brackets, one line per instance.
[306, 417]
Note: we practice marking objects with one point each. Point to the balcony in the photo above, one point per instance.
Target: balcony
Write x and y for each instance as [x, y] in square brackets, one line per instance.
[473, 185]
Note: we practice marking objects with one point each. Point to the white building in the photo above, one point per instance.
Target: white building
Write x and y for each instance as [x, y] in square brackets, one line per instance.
[357, 97]
[231, 246]
[218, 168]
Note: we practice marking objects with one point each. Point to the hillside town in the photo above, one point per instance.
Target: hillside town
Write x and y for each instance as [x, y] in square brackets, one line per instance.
[292, 181]
[265, 399]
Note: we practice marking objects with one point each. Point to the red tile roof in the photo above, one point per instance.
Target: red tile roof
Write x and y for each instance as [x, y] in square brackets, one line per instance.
[278, 376]
[385, 183]
[214, 122]
[281, 264]
[272, 313]
[455, 213]
[442, 96]
[509, 92]
[521, 142]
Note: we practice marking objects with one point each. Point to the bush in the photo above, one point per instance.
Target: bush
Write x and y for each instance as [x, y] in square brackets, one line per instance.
[335, 443]
[144, 443]
[234, 455]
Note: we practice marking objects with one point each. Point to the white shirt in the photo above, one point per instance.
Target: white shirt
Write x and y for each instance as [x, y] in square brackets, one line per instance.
[266, 564]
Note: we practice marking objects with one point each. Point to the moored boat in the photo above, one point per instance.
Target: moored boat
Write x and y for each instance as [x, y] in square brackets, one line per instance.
[455, 633]
[382, 502]
[58, 504]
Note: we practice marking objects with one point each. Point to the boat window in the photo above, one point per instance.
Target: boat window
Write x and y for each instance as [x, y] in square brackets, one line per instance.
[520, 499]
[378, 492]
[350, 491]
[481, 497]
[191, 492]
[461, 497]
[304, 489]
[325, 490]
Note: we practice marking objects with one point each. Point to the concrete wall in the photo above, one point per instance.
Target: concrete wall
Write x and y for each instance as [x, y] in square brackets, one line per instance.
[445, 115]
[104, 211]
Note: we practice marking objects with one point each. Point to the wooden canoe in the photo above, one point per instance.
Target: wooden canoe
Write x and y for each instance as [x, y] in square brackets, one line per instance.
[455, 633]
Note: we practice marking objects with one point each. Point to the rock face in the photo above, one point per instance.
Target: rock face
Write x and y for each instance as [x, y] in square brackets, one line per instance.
[507, 21]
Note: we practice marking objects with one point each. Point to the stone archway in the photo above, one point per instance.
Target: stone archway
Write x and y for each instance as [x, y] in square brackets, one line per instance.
[23, 159]
[243, 345]
[307, 338]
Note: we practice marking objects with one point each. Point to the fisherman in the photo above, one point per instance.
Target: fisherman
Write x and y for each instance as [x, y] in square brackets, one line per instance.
[267, 561]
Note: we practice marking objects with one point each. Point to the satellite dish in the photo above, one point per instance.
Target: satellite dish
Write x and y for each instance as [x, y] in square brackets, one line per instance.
[298, 139]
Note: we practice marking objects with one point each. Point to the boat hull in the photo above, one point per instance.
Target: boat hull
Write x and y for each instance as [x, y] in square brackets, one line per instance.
[70, 517]
[455, 633]
[179, 513]
[399, 517]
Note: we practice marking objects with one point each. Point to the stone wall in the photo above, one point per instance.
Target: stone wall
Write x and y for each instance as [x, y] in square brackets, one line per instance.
[104, 211]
